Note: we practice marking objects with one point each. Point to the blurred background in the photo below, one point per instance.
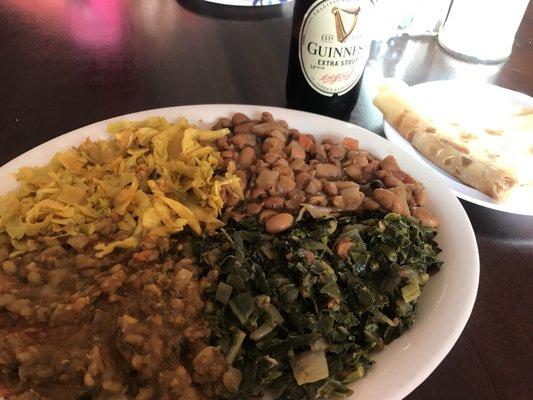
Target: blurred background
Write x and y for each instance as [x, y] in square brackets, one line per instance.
[120, 56]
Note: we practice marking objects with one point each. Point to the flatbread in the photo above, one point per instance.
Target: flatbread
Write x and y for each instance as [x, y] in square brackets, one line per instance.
[490, 150]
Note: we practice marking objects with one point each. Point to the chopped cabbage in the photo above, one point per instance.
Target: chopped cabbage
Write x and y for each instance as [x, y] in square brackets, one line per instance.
[152, 176]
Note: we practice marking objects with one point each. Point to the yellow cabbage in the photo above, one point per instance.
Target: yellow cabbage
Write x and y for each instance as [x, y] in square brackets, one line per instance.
[151, 177]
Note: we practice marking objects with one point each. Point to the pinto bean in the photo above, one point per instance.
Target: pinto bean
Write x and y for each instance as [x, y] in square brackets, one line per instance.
[231, 199]
[420, 195]
[267, 179]
[389, 163]
[247, 157]
[239, 119]
[254, 208]
[401, 193]
[223, 123]
[281, 163]
[243, 176]
[330, 188]
[410, 200]
[296, 195]
[276, 133]
[370, 204]
[257, 193]
[265, 215]
[425, 217]
[223, 144]
[279, 223]
[350, 154]
[329, 171]
[391, 181]
[337, 201]
[382, 174]
[296, 150]
[297, 164]
[294, 133]
[265, 128]
[266, 117]
[360, 159]
[285, 184]
[353, 171]
[369, 170]
[307, 141]
[311, 187]
[271, 158]
[274, 203]
[345, 184]
[352, 198]
[295, 203]
[259, 166]
[285, 170]
[245, 128]
[403, 176]
[318, 200]
[350, 143]
[302, 179]
[337, 153]
[227, 154]
[272, 145]
[320, 152]
[388, 200]
[243, 139]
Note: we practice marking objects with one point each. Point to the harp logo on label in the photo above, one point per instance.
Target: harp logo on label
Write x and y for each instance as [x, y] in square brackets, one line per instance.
[334, 45]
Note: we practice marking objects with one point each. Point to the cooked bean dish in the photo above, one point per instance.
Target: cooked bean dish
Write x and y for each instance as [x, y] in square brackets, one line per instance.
[281, 169]
[170, 262]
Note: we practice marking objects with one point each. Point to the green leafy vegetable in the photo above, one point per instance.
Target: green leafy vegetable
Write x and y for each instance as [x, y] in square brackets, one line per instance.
[308, 306]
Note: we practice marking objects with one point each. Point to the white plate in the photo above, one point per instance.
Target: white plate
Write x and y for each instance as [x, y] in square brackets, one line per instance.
[249, 3]
[447, 300]
[519, 202]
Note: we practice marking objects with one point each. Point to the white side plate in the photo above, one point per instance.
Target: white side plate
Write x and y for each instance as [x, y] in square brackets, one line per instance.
[521, 199]
[449, 296]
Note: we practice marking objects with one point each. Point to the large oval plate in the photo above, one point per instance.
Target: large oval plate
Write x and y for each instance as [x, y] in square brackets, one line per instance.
[449, 296]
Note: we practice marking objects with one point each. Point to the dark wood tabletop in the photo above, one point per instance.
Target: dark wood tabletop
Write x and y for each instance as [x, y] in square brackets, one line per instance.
[68, 63]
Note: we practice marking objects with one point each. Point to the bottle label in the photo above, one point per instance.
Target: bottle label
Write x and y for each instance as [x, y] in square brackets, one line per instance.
[335, 44]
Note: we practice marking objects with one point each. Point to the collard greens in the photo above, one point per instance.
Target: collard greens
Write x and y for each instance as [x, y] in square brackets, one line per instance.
[299, 313]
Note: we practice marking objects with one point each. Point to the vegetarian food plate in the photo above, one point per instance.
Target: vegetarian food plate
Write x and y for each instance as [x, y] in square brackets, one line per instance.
[240, 251]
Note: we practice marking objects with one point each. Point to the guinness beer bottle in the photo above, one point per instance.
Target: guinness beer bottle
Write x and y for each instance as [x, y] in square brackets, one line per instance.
[330, 46]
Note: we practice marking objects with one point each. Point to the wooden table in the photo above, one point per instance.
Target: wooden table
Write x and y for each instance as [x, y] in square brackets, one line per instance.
[65, 64]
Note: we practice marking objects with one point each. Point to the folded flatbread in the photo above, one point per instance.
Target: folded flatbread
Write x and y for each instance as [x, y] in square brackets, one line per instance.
[490, 151]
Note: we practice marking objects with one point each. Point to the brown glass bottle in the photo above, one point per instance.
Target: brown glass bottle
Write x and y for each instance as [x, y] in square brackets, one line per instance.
[330, 44]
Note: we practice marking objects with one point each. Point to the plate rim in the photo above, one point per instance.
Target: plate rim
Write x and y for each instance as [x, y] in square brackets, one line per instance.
[395, 137]
[432, 358]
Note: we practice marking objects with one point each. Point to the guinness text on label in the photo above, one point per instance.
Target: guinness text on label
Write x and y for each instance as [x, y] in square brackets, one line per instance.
[334, 45]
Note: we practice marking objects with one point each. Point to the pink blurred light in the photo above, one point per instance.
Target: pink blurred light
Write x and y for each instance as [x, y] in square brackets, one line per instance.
[40, 8]
[95, 23]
